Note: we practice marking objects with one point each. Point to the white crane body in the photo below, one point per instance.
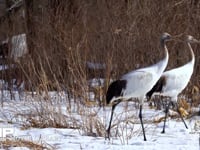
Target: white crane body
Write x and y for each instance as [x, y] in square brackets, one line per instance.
[176, 81]
[141, 81]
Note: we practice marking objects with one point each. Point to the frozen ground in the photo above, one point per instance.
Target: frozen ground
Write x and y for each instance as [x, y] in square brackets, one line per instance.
[67, 139]
[130, 137]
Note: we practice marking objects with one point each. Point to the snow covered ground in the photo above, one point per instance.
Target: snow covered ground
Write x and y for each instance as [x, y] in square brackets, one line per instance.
[126, 134]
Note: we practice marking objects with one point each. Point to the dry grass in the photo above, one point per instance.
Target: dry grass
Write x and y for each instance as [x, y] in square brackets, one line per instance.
[43, 114]
[40, 113]
[6, 144]
[124, 35]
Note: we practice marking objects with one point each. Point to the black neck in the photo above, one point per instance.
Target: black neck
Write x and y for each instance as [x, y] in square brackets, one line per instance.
[162, 42]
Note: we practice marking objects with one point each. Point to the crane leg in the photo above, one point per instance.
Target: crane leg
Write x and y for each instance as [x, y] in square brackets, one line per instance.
[199, 111]
[140, 116]
[181, 116]
[108, 129]
[166, 113]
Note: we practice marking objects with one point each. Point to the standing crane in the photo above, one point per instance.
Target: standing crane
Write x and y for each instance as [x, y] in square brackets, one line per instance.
[172, 82]
[136, 84]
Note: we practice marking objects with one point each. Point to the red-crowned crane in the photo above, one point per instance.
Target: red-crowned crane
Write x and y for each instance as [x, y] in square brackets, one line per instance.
[172, 82]
[136, 84]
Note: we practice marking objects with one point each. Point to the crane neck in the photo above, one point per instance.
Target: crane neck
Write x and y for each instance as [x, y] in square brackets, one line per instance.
[166, 58]
[163, 46]
[192, 53]
[166, 52]
[162, 64]
[162, 42]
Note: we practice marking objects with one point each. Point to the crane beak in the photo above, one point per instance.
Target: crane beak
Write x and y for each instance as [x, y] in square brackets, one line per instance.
[177, 37]
[195, 41]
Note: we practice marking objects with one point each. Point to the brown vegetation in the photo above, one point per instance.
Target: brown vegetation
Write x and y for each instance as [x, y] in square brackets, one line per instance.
[124, 35]
[22, 143]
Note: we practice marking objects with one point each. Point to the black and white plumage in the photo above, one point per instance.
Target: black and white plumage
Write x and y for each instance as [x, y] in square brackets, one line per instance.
[174, 81]
[136, 84]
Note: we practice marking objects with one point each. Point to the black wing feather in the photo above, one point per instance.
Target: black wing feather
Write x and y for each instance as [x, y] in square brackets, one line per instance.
[115, 89]
[157, 87]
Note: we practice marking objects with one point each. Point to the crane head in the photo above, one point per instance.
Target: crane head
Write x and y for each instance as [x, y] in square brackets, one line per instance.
[165, 36]
[191, 39]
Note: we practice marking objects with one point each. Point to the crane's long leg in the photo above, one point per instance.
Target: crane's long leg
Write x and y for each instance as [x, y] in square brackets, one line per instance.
[181, 116]
[199, 111]
[140, 116]
[108, 129]
[166, 113]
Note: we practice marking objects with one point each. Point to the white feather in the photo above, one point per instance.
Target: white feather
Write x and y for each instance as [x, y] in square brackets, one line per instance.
[176, 80]
[140, 81]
